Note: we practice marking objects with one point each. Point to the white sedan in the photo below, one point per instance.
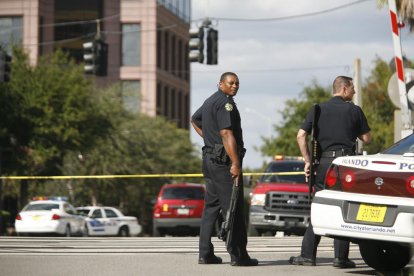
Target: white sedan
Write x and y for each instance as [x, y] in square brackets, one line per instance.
[108, 221]
[369, 200]
[49, 215]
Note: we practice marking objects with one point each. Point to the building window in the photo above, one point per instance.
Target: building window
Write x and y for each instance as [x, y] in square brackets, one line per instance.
[159, 47]
[180, 58]
[131, 95]
[166, 109]
[173, 105]
[11, 32]
[131, 45]
[173, 56]
[166, 50]
[68, 36]
[159, 99]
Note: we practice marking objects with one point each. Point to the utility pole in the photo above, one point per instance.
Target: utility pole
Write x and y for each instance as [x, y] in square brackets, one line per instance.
[358, 96]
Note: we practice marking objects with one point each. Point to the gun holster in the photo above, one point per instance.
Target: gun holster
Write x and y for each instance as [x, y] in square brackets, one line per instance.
[220, 155]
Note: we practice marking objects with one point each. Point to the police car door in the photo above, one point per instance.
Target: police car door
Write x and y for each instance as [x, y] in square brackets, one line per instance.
[75, 221]
[112, 222]
[96, 223]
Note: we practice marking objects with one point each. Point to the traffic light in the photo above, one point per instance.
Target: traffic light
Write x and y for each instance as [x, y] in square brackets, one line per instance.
[196, 45]
[212, 46]
[5, 66]
[95, 56]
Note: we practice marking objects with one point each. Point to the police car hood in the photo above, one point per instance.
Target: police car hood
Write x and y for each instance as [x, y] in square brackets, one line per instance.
[379, 162]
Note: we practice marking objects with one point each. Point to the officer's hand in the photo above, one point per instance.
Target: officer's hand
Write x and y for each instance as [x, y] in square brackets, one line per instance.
[307, 170]
[235, 170]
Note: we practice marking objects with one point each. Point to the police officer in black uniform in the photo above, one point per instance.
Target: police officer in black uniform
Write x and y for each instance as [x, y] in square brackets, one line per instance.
[338, 123]
[218, 122]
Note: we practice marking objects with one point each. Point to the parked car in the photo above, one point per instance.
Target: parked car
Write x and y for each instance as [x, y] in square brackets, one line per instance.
[280, 199]
[178, 209]
[108, 221]
[369, 200]
[49, 215]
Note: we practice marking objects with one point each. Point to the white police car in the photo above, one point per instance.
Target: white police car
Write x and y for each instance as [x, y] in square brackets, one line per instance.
[108, 221]
[369, 199]
[49, 215]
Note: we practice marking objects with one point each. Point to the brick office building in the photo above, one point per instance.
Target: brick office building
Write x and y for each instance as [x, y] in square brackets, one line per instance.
[147, 45]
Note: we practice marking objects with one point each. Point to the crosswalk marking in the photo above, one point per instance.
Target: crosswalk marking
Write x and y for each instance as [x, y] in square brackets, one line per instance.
[189, 245]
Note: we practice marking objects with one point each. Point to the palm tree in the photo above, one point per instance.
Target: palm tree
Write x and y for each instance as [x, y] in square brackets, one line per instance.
[405, 9]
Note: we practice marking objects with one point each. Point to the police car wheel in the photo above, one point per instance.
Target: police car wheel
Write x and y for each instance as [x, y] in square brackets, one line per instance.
[85, 232]
[67, 231]
[123, 232]
[385, 256]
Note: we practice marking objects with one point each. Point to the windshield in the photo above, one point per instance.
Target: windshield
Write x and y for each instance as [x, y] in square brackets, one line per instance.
[183, 193]
[41, 207]
[82, 212]
[403, 146]
[285, 166]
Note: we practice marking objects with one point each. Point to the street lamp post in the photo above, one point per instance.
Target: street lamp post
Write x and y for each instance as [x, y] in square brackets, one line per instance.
[261, 115]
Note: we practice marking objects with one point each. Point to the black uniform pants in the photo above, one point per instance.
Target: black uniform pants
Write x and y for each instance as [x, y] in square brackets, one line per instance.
[219, 186]
[311, 241]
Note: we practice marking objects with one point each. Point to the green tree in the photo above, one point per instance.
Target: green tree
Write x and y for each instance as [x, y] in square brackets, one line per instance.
[49, 113]
[378, 107]
[137, 144]
[293, 114]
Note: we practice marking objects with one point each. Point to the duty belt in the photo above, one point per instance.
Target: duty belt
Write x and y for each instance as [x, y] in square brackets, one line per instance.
[337, 153]
[206, 150]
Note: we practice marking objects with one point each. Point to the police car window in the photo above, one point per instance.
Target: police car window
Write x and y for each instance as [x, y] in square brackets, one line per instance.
[83, 212]
[96, 214]
[41, 207]
[281, 167]
[110, 213]
[67, 208]
[403, 146]
[183, 193]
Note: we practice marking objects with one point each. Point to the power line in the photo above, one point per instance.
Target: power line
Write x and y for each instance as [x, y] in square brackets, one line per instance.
[288, 69]
[289, 16]
[84, 22]
[103, 32]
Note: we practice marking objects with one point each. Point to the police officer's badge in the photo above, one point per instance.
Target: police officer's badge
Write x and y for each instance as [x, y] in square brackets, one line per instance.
[228, 107]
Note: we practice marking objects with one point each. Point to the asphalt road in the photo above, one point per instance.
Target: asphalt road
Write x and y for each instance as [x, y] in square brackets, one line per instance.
[162, 256]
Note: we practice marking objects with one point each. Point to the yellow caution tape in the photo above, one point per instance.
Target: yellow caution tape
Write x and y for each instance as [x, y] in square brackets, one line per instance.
[166, 175]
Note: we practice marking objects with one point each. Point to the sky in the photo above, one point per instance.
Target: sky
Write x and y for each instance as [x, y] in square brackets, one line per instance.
[275, 59]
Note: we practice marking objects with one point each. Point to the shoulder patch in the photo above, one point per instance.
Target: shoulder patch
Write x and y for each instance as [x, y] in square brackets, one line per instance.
[228, 107]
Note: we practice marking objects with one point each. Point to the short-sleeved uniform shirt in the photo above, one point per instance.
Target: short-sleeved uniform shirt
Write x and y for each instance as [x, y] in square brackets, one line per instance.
[218, 112]
[339, 124]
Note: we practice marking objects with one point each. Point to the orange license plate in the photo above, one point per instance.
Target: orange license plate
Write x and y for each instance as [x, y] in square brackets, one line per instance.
[371, 213]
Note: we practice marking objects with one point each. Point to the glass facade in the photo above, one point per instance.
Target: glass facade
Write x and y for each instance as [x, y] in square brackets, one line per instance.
[131, 45]
[181, 8]
[11, 30]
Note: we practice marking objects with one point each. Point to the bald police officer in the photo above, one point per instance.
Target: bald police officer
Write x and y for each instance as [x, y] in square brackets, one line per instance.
[338, 125]
[218, 122]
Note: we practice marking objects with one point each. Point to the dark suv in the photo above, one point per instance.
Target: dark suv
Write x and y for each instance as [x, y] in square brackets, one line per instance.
[178, 209]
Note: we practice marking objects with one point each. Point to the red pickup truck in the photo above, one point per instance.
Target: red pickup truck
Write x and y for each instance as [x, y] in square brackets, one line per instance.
[279, 201]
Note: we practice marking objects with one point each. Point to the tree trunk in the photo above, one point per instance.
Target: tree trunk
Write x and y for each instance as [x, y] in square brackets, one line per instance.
[24, 193]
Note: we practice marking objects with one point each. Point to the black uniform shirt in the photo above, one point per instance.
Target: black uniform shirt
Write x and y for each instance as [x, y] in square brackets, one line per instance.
[218, 112]
[339, 124]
